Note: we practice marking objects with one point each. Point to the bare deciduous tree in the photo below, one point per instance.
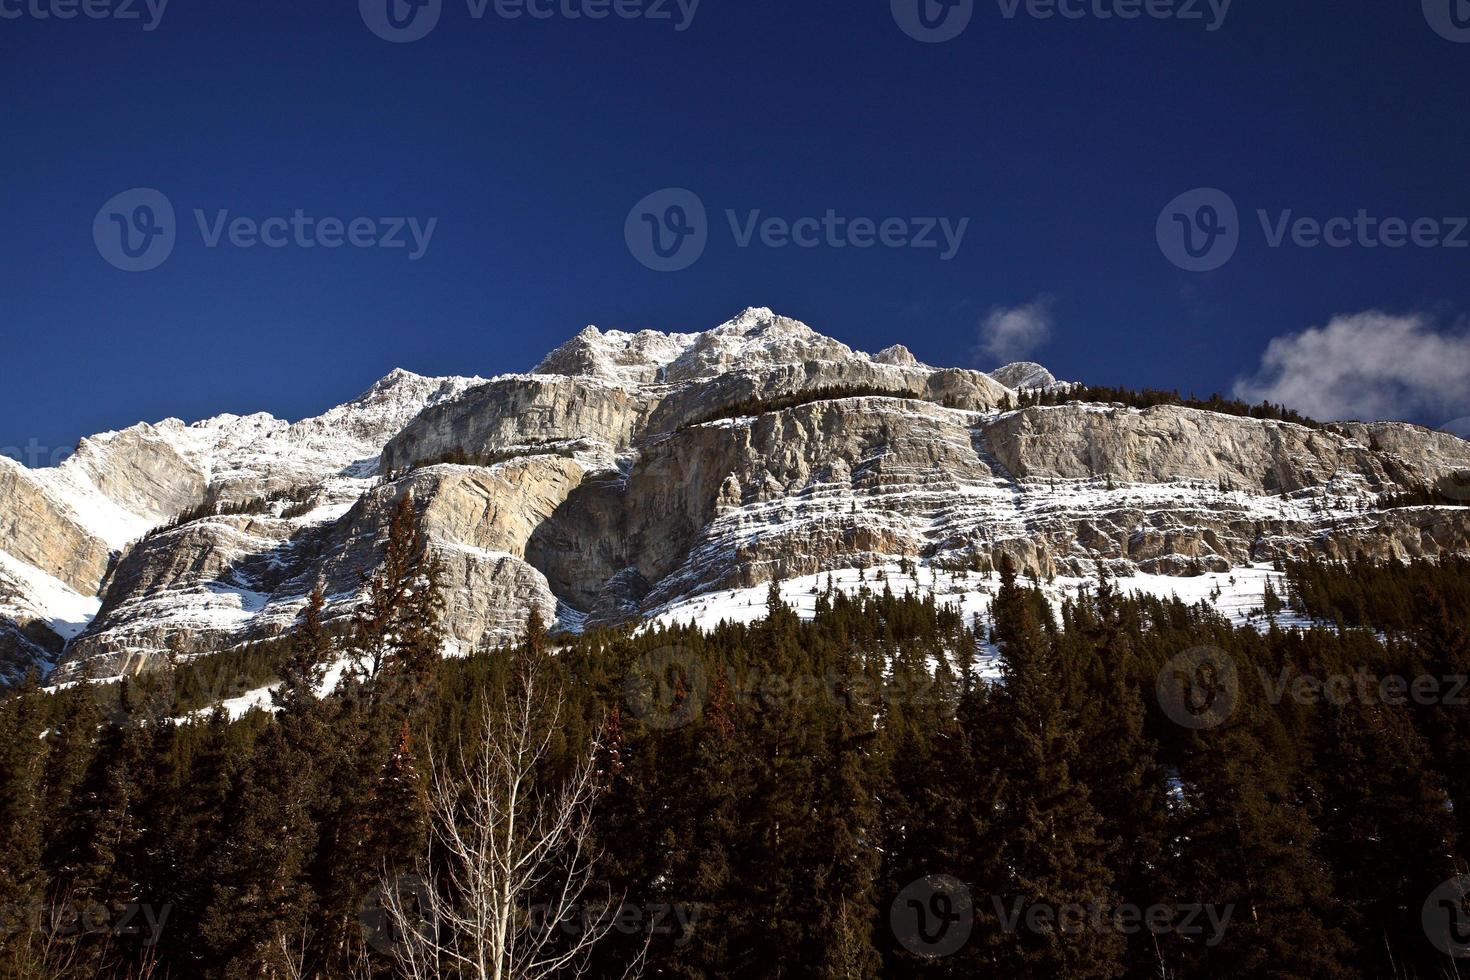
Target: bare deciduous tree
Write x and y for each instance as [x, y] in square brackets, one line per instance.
[509, 861]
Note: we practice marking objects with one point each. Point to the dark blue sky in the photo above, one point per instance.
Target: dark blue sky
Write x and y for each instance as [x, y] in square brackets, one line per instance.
[530, 140]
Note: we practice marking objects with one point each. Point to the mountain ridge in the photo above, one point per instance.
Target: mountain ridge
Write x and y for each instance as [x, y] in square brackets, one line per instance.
[636, 471]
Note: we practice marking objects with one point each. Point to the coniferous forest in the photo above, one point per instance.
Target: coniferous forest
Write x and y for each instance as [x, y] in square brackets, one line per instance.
[1145, 791]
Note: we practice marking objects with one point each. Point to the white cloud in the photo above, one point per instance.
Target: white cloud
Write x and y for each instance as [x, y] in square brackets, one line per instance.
[1011, 333]
[1369, 366]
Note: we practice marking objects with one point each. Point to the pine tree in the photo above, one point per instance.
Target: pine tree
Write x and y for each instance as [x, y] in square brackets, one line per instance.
[308, 654]
[1386, 828]
[849, 820]
[261, 895]
[22, 772]
[1047, 829]
[399, 808]
[1246, 843]
[396, 635]
[1118, 762]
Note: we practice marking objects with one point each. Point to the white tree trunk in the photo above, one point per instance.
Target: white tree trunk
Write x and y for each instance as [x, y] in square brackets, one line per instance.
[499, 842]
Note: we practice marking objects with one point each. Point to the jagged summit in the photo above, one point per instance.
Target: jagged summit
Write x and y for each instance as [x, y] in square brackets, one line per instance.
[1024, 374]
[628, 358]
[753, 339]
[756, 337]
[897, 354]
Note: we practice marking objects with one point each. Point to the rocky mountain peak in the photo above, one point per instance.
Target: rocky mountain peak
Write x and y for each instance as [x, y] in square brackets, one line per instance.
[391, 381]
[754, 339]
[615, 355]
[1023, 374]
[635, 473]
[897, 354]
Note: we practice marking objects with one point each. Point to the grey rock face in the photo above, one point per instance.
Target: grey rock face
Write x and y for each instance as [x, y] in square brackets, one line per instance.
[897, 354]
[640, 358]
[1023, 374]
[635, 470]
[40, 530]
[1167, 444]
[530, 412]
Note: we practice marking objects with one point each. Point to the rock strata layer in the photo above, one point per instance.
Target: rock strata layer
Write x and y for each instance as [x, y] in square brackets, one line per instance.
[629, 471]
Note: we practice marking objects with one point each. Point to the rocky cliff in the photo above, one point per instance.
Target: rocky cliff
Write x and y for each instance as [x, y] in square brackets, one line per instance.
[630, 472]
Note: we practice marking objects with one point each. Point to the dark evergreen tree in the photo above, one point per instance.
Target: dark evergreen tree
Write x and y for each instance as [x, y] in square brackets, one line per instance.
[1047, 831]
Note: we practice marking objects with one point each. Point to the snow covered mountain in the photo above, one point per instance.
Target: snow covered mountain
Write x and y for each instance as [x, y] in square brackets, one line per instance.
[638, 474]
[62, 528]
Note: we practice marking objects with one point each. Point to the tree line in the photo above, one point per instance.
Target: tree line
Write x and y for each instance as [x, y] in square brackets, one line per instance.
[1146, 791]
[1149, 397]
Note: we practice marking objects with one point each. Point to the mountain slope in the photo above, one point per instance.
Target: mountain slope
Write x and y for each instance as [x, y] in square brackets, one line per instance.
[634, 472]
[66, 526]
